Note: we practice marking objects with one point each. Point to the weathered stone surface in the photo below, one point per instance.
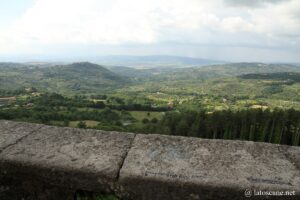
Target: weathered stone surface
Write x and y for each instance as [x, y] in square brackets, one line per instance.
[39, 162]
[6, 124]
[11, 132]
[176, 168]
[74, 158]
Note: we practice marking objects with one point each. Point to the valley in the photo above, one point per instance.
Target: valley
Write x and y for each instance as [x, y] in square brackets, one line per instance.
[177, 101]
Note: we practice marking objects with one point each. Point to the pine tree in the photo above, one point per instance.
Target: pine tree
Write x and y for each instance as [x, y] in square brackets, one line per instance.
[182, 128]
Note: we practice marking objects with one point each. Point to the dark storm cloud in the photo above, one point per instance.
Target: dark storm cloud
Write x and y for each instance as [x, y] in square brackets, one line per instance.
[252, 3]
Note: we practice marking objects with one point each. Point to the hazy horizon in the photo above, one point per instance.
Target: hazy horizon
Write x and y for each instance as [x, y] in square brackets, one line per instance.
[106, 60]
[82, 30]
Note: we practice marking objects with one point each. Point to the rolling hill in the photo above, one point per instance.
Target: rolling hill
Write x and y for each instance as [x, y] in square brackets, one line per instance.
[237, 79]
[77, 77]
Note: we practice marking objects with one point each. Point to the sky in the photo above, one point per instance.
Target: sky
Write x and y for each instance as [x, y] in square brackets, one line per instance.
[228, 30]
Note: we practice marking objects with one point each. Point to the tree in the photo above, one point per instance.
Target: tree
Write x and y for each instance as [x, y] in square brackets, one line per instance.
[154, 120]
[182, 128]
[145, 121]
[66, 122]
[194, 130]
[98, 104]
[81, 124]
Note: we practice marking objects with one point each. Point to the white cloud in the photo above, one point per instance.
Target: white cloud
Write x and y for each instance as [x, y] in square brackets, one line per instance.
[106, 21]
[236, 24]
[278, 20]
[119, 22]
[252, 3]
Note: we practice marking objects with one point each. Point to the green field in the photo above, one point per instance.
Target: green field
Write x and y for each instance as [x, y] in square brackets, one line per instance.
[140, 115]
[89, 123]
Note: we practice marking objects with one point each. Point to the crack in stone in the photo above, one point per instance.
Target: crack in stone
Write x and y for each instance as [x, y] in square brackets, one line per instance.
[20, 139]
[125, 156]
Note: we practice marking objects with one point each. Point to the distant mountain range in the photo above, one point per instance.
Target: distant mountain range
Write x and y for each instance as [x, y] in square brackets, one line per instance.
[140, 62]
[154, 61]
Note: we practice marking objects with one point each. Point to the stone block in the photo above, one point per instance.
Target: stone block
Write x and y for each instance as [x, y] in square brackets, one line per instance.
[175, 168]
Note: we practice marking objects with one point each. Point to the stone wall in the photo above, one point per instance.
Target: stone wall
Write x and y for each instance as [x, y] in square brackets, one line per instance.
[45, 162]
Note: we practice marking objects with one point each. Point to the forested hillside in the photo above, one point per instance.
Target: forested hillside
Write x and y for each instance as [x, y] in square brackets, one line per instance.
[288, 77]
[68, 79]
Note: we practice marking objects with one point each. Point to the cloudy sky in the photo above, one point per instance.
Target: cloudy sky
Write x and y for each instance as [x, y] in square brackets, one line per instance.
[231, 30]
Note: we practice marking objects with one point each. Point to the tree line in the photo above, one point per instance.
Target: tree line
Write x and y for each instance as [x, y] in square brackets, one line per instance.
[278, 126]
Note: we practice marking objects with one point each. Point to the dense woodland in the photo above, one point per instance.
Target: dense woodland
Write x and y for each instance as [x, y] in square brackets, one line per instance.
[278, 126]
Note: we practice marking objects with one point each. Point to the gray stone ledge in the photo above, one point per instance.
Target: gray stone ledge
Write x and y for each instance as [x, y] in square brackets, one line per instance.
[42, 159]
[11, 132]
[195, 168]
[81, 159]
